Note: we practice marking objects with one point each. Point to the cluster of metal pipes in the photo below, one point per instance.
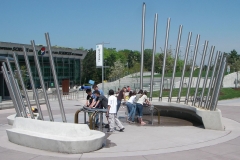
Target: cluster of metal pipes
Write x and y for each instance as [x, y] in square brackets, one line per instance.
[210, 102]
[14, 88]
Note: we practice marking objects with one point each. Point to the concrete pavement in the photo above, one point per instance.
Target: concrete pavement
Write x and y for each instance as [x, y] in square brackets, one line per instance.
[142, 142]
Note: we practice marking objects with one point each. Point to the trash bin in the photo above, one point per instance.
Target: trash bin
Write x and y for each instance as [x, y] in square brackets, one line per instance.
[0, 99]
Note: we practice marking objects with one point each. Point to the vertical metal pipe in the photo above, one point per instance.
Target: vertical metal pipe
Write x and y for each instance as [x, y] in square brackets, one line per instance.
[16, 88]
[165, 56]
[206, 76]
[192, 69]
[142, 44]
[102, 67]
[175, 62]
[42, 81]
[184, 66]
[153, 55]
[200, 72]
[207, 101]
[215, 81]
[23, 85]
[10, 89]
[219, 83]
[32, 83]
[55, 78]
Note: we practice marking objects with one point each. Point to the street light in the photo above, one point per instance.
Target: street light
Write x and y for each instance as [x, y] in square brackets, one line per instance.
[105, 69]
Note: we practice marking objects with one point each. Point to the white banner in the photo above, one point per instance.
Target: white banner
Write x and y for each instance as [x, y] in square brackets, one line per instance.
[99, 55]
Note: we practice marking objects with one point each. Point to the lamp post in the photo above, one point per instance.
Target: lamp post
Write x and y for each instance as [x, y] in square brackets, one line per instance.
[105, 69]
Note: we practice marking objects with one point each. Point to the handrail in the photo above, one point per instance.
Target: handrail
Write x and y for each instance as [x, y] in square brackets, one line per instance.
[76, 115]
[92, 120]
[158, 115]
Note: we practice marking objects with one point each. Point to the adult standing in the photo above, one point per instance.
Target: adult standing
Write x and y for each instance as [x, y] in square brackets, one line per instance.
[139, 106]
[121, 95]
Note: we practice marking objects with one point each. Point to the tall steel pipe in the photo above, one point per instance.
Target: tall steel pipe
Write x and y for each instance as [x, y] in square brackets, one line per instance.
[16, 89]
[206, 76]
[10, 89]
[142, 44]
[200, 72]
[42, 81]
[208, 99]
[164, 60]
[192, 69]
[216, 80]
[23, 85]
[184, 66]
[55, 77]
[153, 55]
[32, 84]
[219, 83]
[175, 62]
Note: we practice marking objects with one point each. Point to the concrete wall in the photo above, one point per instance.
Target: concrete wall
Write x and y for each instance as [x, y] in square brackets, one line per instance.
[230, 80]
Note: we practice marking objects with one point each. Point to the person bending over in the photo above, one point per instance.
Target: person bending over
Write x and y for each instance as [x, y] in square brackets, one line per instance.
[139, 106]
[131, 107]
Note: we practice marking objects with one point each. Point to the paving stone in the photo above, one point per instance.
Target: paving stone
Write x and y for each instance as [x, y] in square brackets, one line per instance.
[232, 156]
[235, 141]
[15, 155]
[221, 149]
[216, 158]
[53, 158]
[2, 149]
[117, 158]
[191, 154]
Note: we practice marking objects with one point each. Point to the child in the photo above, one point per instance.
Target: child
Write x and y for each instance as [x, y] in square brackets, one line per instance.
[112, 113]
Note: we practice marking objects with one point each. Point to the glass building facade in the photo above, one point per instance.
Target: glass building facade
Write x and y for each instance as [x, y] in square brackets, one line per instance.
[67, 64]
[66, 68]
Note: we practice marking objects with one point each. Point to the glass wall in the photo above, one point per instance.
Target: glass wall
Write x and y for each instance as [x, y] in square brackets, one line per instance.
[66, 68]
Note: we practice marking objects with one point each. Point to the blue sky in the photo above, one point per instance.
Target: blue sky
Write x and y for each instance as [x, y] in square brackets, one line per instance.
[83, 23]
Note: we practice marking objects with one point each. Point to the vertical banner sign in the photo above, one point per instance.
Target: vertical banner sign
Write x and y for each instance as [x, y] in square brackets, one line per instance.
[99, 55]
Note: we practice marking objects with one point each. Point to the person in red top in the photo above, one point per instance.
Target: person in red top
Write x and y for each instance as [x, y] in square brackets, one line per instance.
[121, 95]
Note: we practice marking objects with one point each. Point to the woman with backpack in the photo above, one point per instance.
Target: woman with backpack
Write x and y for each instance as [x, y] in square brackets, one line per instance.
[131, 106]
[139, 105]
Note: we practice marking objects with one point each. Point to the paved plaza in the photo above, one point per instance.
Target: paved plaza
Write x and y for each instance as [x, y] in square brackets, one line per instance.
[165, 141]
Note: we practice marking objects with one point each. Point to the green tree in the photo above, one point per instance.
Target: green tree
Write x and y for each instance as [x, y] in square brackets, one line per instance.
[135, 70]
[89, 68]
[147, 59]
[117, 70]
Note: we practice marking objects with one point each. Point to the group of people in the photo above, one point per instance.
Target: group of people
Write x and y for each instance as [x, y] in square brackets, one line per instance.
[135, 104]
[133, 101]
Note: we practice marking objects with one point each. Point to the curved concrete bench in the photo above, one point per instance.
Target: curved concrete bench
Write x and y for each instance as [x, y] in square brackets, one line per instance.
[11, 119]
[210, 119]
[55, 136]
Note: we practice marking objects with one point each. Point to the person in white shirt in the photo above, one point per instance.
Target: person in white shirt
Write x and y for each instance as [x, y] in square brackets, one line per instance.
[112, 113]
[131, 107]
[139, 105]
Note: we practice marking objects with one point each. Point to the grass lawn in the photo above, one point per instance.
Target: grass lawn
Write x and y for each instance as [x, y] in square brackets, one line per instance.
[187, 74]
[225, 93]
